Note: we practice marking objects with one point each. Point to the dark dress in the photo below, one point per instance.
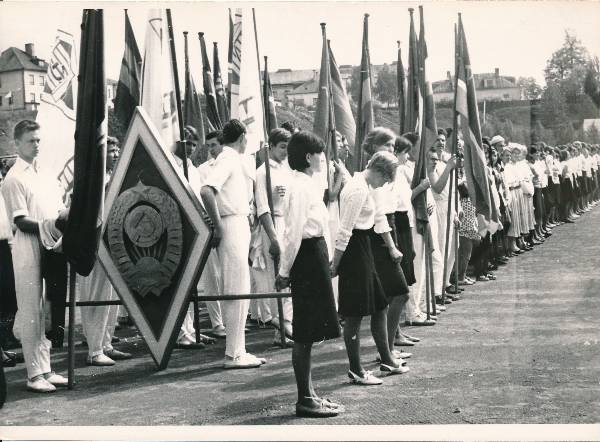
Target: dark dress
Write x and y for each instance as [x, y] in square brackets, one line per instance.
[315, 318]
[405, 245]
[361, 291]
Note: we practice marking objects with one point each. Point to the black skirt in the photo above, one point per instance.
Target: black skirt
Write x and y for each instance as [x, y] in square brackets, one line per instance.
[361, 292]
[405, 245]
[314, 318]
[390, 274]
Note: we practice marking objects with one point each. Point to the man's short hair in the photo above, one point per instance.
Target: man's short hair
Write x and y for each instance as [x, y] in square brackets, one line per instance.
[112, 141]
[190, 133]
[289, 126]
[442, 131]
[402, 145]
[215, 134]
[413, 137]
[233, 130]
[377, 137]
[24, 126]
[301, 144]
[385, 163]
[278, 135]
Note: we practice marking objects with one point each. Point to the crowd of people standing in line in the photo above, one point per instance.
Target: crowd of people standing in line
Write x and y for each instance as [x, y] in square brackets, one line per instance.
[345, 246]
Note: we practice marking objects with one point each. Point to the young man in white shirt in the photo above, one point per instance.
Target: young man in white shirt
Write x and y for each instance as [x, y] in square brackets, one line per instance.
[34, 204]
[225, 195]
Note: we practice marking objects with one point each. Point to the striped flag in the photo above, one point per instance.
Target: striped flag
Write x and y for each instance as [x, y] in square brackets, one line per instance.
[235, 59]
[365, 117]
[413, 95]
[192, 111]
[219, 88]
[324, 122]
[56, 114]
[158, 82]
[128, 88]
[82, 233]
[270, 112]
[474, 163]
[212, 110]
[401, 78]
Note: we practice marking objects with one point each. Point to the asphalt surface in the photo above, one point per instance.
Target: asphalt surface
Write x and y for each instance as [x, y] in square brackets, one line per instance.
[522, 349]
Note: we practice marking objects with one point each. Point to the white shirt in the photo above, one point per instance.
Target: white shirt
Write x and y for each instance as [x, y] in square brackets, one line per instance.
[403, 192]
[204, 169]
[229, 177]
[385, 203]
[281, 175]
[193, 177]
[357, 209]
[5, 225]
[305, 217]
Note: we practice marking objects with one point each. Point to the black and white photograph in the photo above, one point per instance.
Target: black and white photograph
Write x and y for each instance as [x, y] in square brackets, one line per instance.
[363, 220]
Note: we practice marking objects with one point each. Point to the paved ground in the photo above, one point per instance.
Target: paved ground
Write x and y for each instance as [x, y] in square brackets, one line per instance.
[521, 349]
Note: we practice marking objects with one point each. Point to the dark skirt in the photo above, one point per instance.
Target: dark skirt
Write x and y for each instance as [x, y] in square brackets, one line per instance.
[8, 297]
[315, 318]
[361, 291]
[405, 245]
[390, 273]
[566, 190]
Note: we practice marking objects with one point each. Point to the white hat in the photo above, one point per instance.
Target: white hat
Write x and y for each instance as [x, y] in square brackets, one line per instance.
[496, 139]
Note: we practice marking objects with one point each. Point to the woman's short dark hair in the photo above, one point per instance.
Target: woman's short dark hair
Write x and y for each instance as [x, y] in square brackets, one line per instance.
[402, 145]
[377, 137]
[301, 144]
[563, 155]
[215, 134]
[24, 126]
[112, 141]
[233, 130]
[279, 135]
[413, 137]
[442, 131]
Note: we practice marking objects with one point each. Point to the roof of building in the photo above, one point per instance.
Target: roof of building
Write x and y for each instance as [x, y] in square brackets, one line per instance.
[493, 82]
[288, 76]
[14, 59]
[309, 87]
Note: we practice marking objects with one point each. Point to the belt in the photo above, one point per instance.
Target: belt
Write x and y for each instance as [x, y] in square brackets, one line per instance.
[514, 187]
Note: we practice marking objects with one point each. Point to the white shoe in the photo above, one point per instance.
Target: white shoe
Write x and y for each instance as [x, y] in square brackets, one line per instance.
[401, 354]
[100, 360]
[40, 385]
[56, 379]
[393, 370]
[245, 360]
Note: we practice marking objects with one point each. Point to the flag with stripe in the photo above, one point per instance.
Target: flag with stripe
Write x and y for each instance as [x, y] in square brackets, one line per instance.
[192, 110]
[476, 172]
[82, 233]
[270, 112]
[128, 88]
[219, 88]
[401, 79]
[234, 59]
[365, 116]
[324, 122]
[413, 94]
[158, 81]
[212, 110]
[56, 114]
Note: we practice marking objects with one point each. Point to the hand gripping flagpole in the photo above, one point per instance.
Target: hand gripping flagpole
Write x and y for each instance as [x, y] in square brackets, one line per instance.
[266, 121]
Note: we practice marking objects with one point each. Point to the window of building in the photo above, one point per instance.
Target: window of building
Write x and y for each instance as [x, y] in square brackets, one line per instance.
[10, 100]
[315, 101]
[32, 98]
[506, 96]
[31, 80]
[41, 80]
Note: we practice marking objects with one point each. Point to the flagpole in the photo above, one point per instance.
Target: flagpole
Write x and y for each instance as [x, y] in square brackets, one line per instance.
[328, 140]
[268, 175]
[333, 127]
[455, 148]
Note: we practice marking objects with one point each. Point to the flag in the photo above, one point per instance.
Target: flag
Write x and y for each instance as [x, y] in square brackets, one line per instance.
[234, 59]
[365, 118]
[128, 88]
[344, 120]
[324, 123]
[401, 78]
[270, 113]
[249, 103]
[82, 233]
[192, 111]
[413, 108]
[474, 156]
[9, 95]
[158, 82]
[212, 111]
[219, 88]
[56, 114]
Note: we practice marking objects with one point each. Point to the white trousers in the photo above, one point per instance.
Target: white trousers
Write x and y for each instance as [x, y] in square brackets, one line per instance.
[98, 322]
[416, 304]
[29, 326]
[210, 285]
[235, 279]
[442, 217]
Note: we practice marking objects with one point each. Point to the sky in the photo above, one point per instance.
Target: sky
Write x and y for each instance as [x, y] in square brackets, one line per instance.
[516, 37]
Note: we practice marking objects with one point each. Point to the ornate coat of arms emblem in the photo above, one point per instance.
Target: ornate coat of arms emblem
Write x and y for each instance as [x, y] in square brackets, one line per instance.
[145, 238]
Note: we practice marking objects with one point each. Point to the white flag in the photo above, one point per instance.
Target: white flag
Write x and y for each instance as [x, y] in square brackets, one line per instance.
[9, 95]
[56, 114]
[158, 86]
[249, 108]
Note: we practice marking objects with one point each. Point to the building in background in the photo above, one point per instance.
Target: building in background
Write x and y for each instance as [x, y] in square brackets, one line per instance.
[490, 87]
[305, 95]
[22, 76]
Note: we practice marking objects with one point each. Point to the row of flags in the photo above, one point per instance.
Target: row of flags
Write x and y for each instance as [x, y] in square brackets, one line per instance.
[149, 81]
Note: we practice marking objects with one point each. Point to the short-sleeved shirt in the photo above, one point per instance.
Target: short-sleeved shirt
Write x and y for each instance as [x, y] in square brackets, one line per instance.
[281, 175]
[5, 225]
[228, 177]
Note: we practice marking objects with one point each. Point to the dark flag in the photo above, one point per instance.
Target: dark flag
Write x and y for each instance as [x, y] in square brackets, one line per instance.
[128, 88]
[474, 163]
[401, 78]
[324, 123]
[413, 95]
[212, 111]
[82, 233]
[270, 113]
[219, 88]
[365, 118]
[192, 111]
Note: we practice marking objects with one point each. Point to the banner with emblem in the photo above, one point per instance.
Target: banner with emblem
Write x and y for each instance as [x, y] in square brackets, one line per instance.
[56, 114]
[155, 241]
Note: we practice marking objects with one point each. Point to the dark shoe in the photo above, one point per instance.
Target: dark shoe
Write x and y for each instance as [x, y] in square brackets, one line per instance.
[403, 341]
[117, 355]
[419, 322]
[322, 410]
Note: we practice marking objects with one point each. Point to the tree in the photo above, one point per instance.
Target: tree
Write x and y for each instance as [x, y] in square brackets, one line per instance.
[592, 135]
[554, 112]
[386, 88]
[355, 84]
[591, 84]
[530, 88]
[571, 55]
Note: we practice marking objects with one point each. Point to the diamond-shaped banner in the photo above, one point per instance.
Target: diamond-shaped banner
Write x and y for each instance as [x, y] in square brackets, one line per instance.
[155, 241]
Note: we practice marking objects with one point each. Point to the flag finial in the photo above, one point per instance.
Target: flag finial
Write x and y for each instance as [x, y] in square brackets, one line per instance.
[185, 33]
[200, 34]
[366, 15]
[411, 10]
[215, 43]
[398, 41]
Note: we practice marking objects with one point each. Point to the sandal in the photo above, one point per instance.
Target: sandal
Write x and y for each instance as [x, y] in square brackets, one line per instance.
[322, 410]
[366, 379]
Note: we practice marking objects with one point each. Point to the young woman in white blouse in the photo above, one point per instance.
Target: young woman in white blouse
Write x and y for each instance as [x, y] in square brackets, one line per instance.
[305, 267]
[361, 291]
